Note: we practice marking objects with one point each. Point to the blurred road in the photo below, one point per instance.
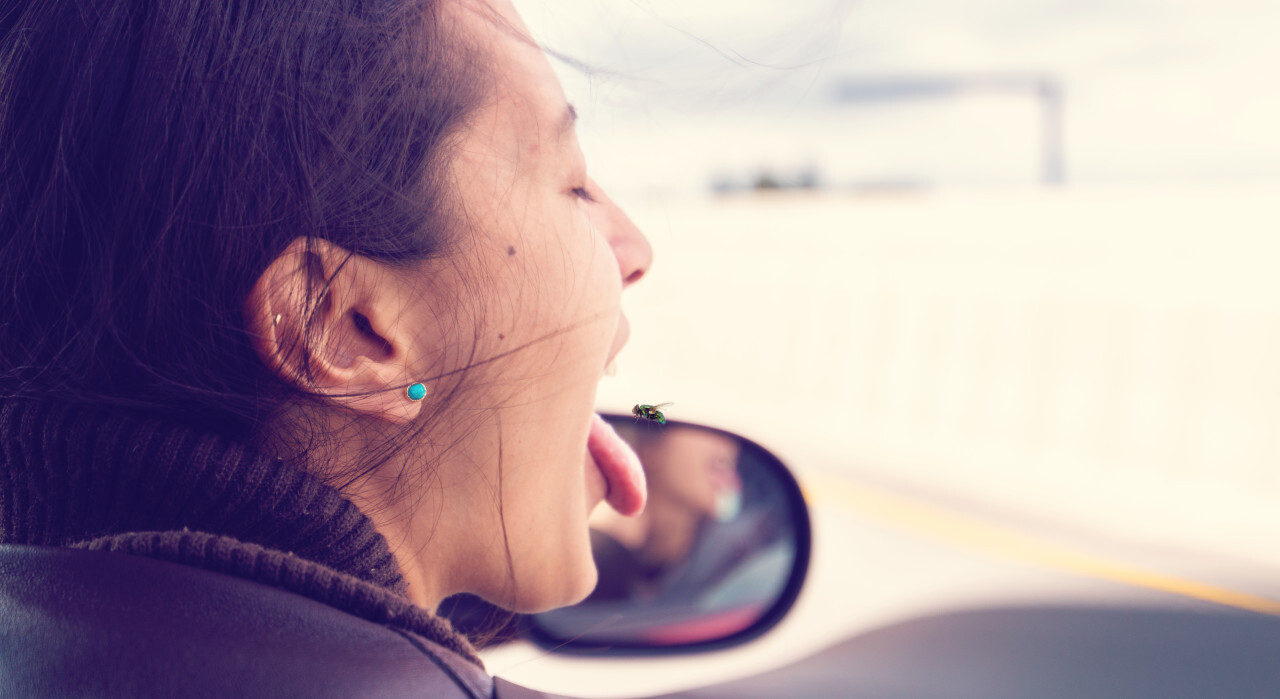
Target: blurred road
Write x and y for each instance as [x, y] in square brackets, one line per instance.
[910, 595]
[989, 619]
[1053, 653]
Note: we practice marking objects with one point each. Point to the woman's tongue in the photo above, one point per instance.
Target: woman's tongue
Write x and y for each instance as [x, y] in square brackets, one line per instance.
[620, 467]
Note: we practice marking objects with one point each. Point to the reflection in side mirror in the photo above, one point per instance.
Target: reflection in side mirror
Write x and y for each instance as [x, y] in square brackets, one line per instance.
[716, 559]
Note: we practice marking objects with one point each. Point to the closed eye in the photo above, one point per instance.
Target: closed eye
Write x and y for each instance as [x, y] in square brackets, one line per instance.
[583, 194]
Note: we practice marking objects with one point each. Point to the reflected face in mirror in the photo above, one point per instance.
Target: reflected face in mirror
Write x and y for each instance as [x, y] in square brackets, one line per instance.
[693, 479]
[693, 469]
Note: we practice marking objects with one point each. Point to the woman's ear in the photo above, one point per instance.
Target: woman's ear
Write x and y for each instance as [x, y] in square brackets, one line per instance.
[327, 321]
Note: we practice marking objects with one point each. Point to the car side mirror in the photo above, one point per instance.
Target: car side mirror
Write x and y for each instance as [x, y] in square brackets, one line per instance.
[717, 558]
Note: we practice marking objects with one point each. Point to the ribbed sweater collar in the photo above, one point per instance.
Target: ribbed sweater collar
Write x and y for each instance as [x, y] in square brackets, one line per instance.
[107, 479]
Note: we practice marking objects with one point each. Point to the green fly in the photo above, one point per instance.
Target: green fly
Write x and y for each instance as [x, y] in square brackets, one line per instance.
[651, 412]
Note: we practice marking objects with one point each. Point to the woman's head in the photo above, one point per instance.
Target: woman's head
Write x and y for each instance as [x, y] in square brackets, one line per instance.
[158, 155]
[273, 220]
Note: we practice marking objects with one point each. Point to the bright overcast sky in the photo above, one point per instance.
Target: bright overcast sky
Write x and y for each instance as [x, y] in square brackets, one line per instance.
[1155, 89]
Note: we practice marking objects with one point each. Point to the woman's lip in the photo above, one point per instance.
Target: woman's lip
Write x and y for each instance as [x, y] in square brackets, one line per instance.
[619, 339]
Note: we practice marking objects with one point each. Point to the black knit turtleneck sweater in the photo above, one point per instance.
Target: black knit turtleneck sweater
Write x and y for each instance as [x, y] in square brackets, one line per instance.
[106, 480]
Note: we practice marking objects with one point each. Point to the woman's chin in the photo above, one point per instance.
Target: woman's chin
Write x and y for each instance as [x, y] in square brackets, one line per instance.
[587, 583]
[565, 591]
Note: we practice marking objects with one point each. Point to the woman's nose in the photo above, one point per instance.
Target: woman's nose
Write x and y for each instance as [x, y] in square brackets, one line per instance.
[632, 249]
[635, 255]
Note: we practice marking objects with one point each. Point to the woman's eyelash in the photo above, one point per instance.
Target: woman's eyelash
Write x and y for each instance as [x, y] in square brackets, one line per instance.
[583, 194]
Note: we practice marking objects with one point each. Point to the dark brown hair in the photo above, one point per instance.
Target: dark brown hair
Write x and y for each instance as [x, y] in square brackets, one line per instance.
[155, 156]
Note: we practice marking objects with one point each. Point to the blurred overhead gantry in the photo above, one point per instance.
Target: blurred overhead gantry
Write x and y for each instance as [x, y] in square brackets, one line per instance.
[1044, 88]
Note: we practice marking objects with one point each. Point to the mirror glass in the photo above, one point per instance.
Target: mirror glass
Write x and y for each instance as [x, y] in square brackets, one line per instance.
[717, 556]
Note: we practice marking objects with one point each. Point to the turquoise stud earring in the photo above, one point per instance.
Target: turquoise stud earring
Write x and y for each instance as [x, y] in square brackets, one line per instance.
[416, 392]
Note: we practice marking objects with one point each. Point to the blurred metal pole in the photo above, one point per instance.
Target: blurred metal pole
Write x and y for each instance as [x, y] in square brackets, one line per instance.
[1053, 167]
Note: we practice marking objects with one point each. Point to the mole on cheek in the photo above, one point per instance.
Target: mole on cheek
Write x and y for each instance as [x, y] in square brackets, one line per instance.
[501, 336]
[511, 249]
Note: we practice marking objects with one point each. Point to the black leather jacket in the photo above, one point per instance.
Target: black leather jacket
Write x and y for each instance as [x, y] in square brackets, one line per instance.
[93, 624]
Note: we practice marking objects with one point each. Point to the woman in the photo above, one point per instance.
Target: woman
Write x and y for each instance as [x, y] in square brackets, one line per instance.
[307, 304]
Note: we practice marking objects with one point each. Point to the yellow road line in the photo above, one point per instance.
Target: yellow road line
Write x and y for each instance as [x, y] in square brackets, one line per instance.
[975, 534]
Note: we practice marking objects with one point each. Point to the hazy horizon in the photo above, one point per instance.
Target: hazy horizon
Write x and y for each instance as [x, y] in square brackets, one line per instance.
[679, 94]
